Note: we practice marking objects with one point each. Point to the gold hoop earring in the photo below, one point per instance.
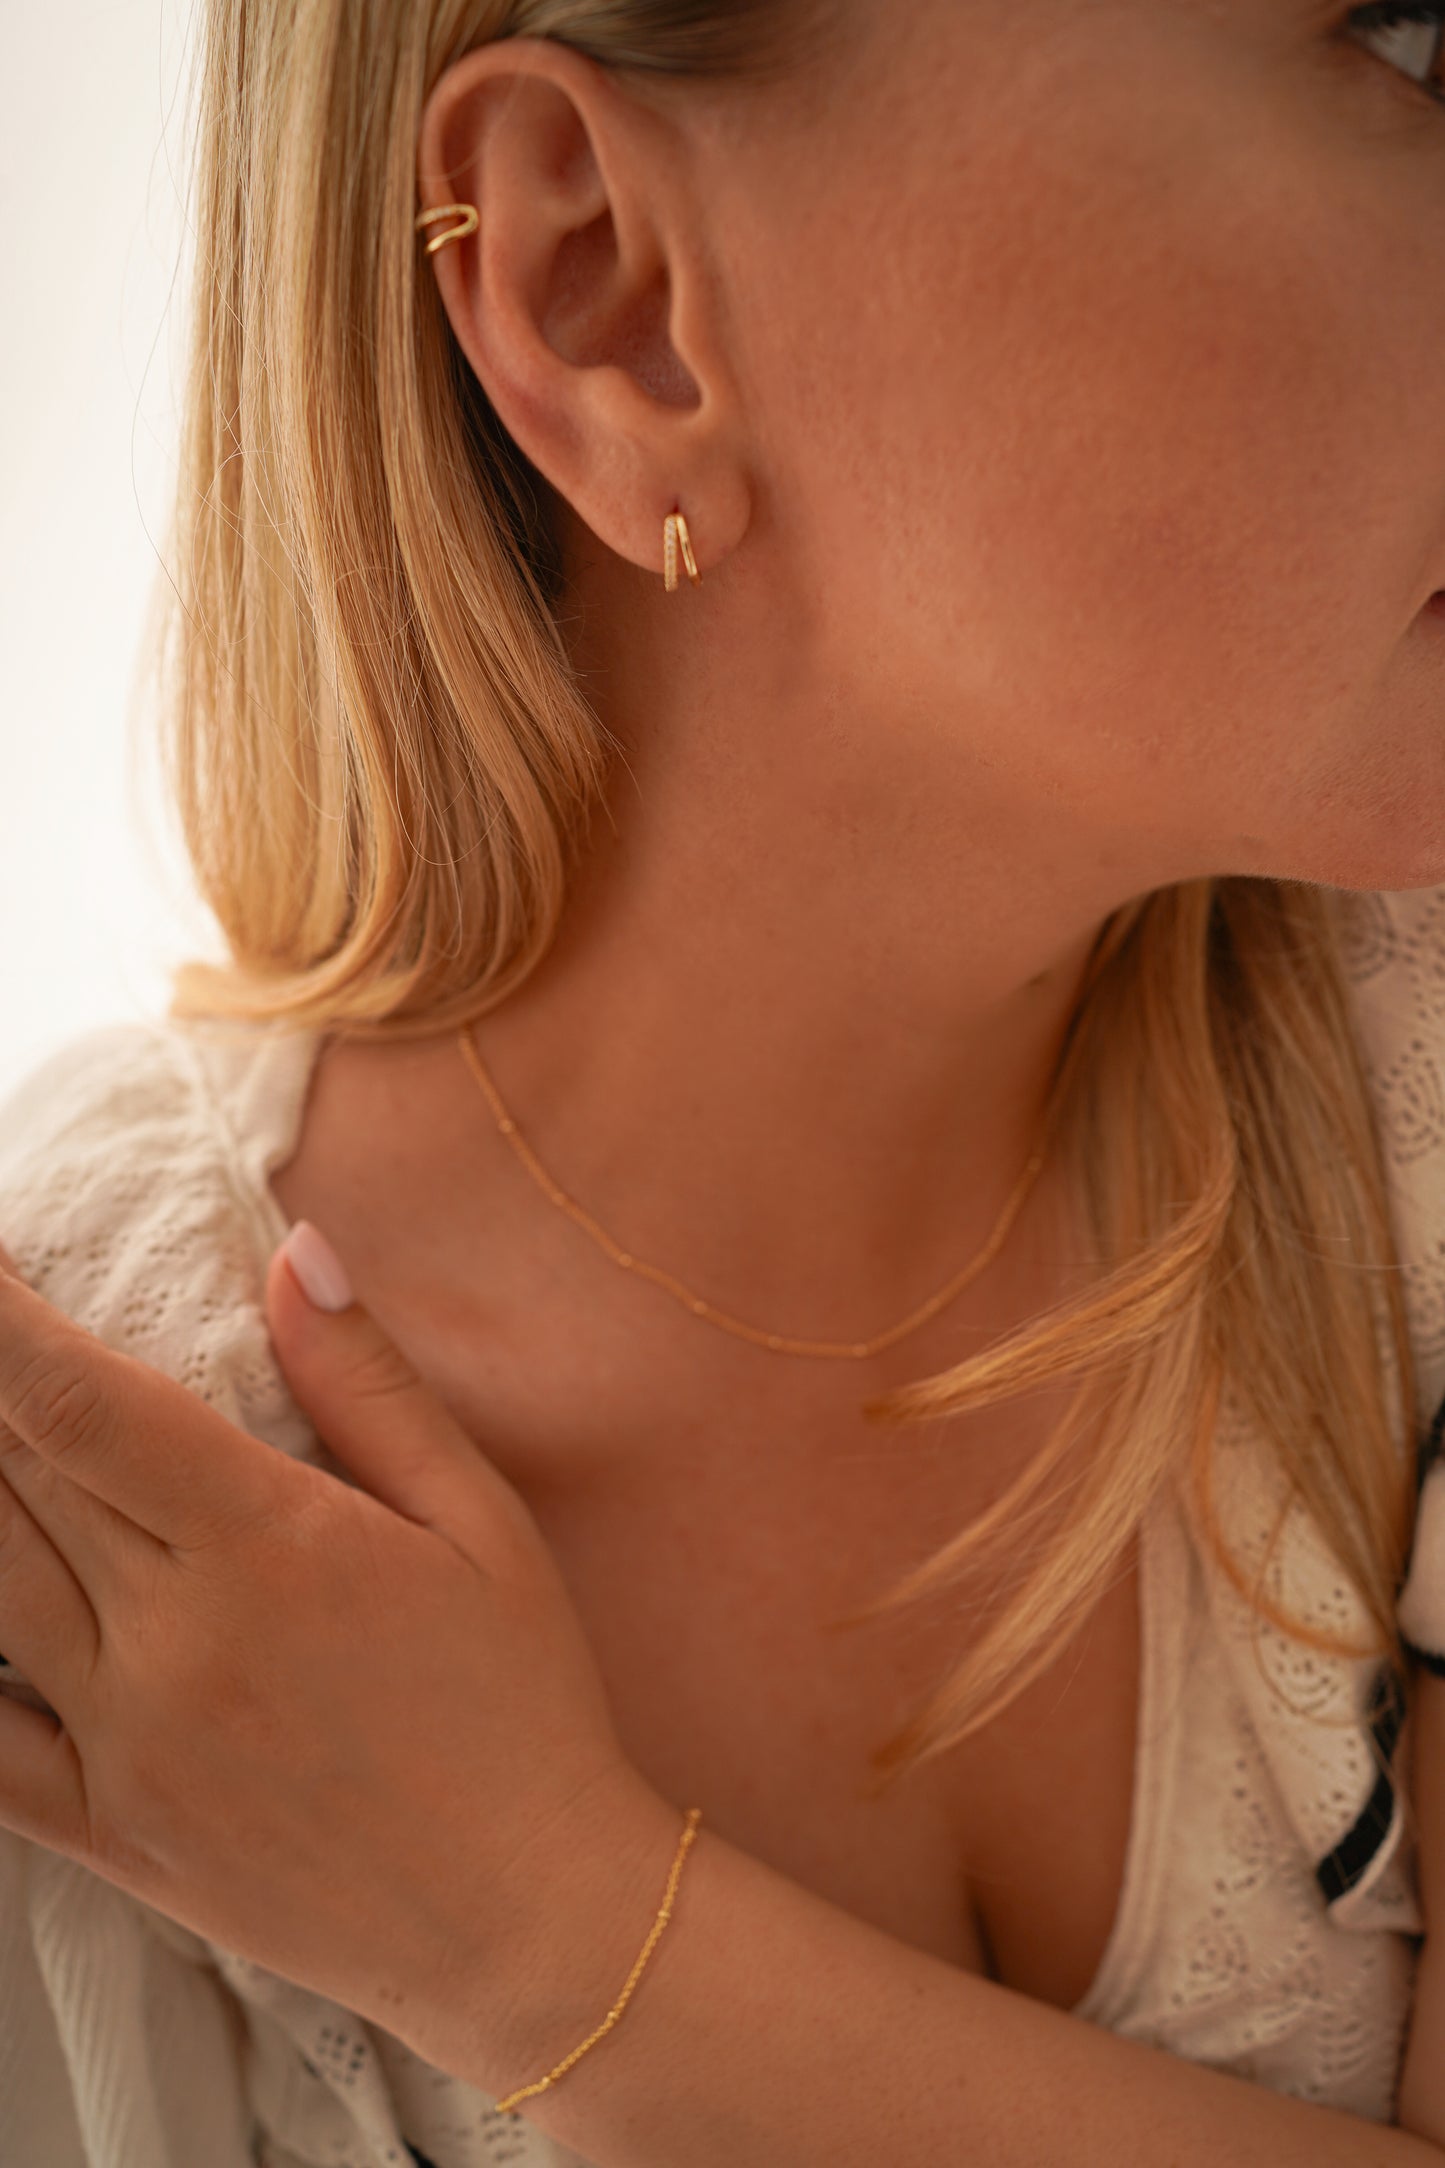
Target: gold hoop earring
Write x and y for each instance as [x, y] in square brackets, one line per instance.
[470, 220]
[674, 530]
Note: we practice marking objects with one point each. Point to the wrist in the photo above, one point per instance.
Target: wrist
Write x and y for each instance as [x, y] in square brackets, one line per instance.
[545, 1981]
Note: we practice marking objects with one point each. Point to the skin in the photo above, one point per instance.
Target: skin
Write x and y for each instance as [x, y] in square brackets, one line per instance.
[1053, 392]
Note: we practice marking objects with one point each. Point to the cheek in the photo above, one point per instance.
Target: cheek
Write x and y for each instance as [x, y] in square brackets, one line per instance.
[1050, 513]
[1130, 515]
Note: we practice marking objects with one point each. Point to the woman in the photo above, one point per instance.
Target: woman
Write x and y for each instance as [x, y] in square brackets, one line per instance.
[963, 947]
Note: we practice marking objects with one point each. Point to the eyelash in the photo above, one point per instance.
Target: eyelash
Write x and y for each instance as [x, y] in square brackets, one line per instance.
[1394, 15]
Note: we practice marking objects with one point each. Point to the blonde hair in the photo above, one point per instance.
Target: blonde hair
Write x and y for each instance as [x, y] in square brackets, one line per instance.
[383, 764]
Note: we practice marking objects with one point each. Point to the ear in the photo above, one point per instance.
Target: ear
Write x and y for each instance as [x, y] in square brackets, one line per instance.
[585, 302]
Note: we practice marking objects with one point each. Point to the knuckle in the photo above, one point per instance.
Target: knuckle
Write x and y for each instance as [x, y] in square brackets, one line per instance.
[382, 1373]
[53, 1408]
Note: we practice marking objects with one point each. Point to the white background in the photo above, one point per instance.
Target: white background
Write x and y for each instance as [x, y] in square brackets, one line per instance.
[95, 901]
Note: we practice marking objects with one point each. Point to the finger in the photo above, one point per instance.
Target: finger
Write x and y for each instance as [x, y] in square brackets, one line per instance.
[48, 1627]
[100, 1547]
[379, 1417]
[125, 1432]
[42, 1781]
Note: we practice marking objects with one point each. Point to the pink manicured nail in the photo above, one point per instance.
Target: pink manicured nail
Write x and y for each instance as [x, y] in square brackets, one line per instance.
[318, 1268]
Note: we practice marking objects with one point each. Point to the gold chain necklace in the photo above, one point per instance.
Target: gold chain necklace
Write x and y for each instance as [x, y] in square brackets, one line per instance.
[774, 1340]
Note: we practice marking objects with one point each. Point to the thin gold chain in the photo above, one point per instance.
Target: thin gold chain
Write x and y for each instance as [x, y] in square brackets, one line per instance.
[776, 1341]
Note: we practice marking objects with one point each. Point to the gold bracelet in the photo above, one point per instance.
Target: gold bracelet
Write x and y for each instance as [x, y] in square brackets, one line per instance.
[694, 1816]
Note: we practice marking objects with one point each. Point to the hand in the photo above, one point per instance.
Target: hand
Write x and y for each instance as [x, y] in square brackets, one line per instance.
[343, 1732]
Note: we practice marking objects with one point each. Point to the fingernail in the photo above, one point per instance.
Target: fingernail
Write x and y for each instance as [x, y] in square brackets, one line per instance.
[318, 1268]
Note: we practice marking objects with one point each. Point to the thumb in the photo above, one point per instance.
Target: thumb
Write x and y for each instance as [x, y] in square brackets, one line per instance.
[369, 1404]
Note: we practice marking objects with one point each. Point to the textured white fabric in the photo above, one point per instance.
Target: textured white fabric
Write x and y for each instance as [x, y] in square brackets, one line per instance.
[133, 1194]
[1224, 1949]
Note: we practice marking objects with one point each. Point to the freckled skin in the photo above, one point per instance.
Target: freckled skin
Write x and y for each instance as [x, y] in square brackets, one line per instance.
[1053, 391]
[1136, 446]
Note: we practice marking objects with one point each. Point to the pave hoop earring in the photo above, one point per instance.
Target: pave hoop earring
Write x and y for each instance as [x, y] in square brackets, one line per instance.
[674, 530]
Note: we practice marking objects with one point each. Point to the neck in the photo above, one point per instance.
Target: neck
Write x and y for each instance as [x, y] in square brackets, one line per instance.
[794, 1038]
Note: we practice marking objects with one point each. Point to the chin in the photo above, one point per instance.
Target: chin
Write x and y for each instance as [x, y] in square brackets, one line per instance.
[1380, 821]
[1408, 852]
[1382, 827]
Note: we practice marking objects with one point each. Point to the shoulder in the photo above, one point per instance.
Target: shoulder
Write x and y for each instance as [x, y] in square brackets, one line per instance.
[1393, 951]
[133, 1197]
[1394, 956]
[88, 1138]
